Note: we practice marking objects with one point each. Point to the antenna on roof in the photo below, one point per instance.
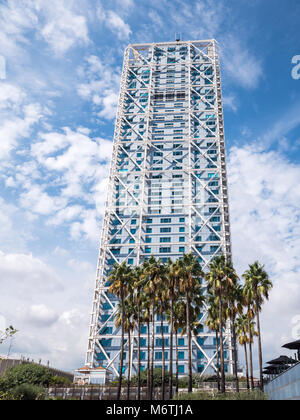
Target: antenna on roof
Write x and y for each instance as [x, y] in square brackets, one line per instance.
[178, 36]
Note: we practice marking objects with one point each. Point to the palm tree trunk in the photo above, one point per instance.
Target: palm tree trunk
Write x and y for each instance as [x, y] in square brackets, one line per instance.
[188, 328]
[246, 363]
[250, 350]
[235, 353]
[129, 364]
[171, 353]
[148, 360]
[163, 358]
[218, 361]
[122, 352]
[152, 352]
[259, 351]
[139, 350]
[176, 383]
[223, 389]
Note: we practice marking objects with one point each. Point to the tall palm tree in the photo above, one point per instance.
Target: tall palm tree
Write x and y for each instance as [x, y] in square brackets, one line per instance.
[243, 337]
[119, 279]
[189, 273]
[146, 319]
[154, 272]
[138, 281]
[212, 322]
[172, 296]
[129, 328]
[257, 288]
[248, 301]
[235, 307]
[178, 324]
[219, 279]
[161, 311]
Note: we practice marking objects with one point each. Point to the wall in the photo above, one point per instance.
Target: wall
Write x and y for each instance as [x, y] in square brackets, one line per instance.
[286, 386]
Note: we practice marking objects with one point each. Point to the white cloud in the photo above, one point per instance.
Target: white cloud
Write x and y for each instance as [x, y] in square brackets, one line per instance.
[41, 316]
[102, 86]
[27, 275]
[117, 25]
[230, 102]
[57, 23]
[265, 215]
[11, 97]
[15, 128]
[114, 22]
[240, 64]
[51, 314]
[64, 28]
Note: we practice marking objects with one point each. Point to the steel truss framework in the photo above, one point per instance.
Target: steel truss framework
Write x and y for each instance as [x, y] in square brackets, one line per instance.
[168, 185]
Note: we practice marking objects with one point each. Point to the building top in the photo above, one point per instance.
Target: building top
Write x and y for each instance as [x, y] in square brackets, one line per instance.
[202, 41]
[88, 369]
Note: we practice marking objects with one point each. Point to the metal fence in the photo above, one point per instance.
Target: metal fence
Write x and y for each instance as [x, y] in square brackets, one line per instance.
[110, 393]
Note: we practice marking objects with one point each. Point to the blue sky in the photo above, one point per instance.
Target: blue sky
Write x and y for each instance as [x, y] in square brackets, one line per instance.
[58, 95]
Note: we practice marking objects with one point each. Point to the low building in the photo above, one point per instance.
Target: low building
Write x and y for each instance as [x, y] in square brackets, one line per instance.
[92, 376]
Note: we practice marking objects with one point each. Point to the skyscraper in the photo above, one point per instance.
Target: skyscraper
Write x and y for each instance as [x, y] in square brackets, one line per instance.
[167, 188]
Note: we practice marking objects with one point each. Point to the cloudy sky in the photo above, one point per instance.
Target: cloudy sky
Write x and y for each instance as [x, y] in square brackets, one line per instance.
[60, 64]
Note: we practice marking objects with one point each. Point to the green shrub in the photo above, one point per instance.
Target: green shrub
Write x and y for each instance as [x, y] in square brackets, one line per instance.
[59, 381]
[28, 373]
[244, 396]
[27, 392]
[157, 375]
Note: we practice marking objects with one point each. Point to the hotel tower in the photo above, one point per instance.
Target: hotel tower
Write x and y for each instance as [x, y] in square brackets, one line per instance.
[168, 192]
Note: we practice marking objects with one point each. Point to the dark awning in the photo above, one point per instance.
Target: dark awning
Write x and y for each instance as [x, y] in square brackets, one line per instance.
[282, 360]
[275, 369]
[295, 345]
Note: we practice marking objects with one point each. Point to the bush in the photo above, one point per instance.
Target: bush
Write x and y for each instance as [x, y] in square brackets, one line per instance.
[28, 373]
[157, 373]
[27, 392]
[243, 396]
[59, 381]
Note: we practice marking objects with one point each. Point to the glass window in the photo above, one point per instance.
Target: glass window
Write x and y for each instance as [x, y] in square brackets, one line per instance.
[180, 368]
[164, 240]
[180, 341]
[165, 220]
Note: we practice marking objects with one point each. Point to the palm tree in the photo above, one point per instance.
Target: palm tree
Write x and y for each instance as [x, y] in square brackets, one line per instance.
[172, 296]
[248, 301]
[219, 278]
[189, 273]
[257, 287]
[178, 324]
[235, 307]
[212, 322]
[153, 271]
[146, 319]
[119, 279]
[138, 280]
[161, 310]
[129, 328]
[243, 337]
